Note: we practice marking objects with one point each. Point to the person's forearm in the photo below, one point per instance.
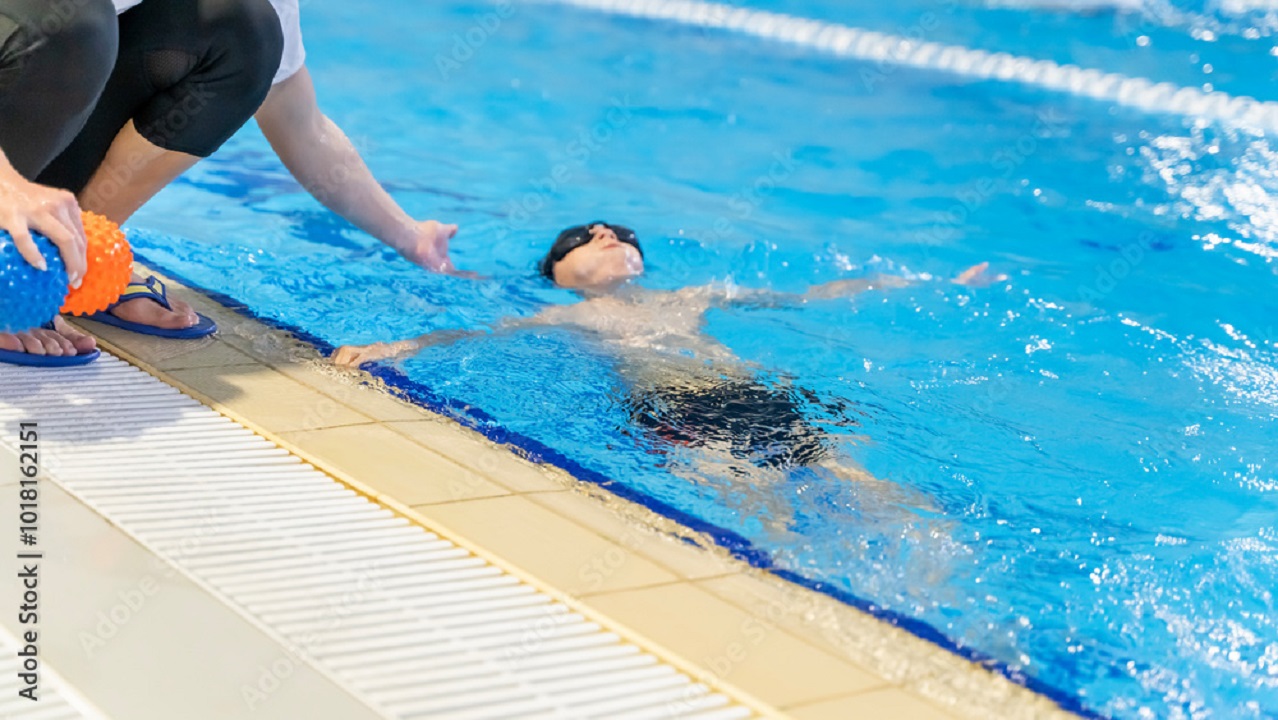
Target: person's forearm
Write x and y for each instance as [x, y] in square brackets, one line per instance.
[322, 158]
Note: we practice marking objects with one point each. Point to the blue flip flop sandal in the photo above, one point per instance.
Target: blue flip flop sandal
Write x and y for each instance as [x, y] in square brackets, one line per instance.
[155, 291]
[13, 357]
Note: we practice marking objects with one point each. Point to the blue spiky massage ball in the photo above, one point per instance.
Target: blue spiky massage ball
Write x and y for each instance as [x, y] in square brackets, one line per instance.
[29, 297]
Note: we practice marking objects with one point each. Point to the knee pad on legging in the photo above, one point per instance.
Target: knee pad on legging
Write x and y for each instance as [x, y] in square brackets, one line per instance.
[208, 96]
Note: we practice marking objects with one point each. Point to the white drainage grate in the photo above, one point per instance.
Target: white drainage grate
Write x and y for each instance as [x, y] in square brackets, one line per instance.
[410, 623]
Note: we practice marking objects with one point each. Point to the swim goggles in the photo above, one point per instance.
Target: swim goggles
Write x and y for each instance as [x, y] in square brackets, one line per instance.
[578, 235]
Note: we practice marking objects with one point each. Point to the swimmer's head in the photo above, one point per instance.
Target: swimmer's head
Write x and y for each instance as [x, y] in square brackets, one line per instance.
[596, 255]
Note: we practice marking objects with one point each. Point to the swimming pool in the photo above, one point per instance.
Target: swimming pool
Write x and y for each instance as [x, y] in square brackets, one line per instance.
[1078, 461]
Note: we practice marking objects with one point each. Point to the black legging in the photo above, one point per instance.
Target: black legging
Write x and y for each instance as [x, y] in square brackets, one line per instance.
[55, 58]
[188, 74]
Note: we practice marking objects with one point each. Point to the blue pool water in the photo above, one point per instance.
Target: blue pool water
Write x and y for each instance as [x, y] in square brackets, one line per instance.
[1079, 462]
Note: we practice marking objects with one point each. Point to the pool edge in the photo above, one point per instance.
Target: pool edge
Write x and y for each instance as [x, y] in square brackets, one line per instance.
[653, 571]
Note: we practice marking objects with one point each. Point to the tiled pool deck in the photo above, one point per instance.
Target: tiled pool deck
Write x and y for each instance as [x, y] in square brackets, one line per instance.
[783, 649]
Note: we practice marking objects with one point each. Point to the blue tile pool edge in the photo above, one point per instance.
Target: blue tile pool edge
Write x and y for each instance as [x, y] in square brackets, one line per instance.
[740, 547]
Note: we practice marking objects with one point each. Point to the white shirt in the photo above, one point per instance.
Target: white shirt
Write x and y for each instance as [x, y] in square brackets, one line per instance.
[290, 22]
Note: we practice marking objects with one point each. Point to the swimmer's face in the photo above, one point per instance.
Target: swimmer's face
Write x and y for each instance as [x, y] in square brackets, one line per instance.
[600, 263]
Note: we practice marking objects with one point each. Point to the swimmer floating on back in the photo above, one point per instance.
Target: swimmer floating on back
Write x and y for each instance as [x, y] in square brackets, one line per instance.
[685, 388]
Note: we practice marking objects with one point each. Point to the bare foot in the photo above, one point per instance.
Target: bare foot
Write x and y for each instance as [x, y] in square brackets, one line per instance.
[428, 247]
[64, 341]
[151, 313]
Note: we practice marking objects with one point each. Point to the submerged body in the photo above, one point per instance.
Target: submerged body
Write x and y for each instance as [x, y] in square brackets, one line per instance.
[685, 388]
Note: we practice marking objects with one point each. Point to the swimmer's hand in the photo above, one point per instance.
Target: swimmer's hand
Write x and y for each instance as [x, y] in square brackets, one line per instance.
[979, 276]
[356, 355]
[427, 247]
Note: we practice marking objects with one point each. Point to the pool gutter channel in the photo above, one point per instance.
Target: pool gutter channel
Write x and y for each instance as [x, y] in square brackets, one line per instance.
[937, 679]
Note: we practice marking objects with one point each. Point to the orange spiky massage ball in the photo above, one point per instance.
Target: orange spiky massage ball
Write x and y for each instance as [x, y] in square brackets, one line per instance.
[110, 267]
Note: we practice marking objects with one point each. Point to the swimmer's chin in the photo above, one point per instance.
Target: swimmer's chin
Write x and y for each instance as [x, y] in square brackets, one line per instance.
[607, 287]
[606, 282]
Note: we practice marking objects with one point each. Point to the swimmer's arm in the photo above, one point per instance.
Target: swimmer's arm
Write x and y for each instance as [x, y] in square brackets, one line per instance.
[770, 299]
[356, 355]
[975, 276]
[325, 161]
[855, 286]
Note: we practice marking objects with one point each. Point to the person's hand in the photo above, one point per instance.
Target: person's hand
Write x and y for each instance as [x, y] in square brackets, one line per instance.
[428, 246]
[979, 276]
[26, 206]
[356, 355]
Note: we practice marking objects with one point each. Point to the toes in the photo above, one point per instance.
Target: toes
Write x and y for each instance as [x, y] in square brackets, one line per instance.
[64, 329]
[52, 342]
[47, 342]
[84, 344]
[31, 344]
[65, 346]
[73, 342]
[186, 311]
[79, 341]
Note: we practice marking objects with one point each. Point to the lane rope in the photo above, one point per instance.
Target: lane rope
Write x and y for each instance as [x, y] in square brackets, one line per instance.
[868, 45]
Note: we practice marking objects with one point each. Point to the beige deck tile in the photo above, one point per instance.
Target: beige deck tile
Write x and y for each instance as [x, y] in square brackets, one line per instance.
[482, 456]
[820, 620]
[196, 354]
[545, 545]
[945, 679]
[255, 338]
[388, 463]
[260, 342]
[263, 397]
[163, 353]
[350, 390]
[643, 534]
[734, 645]
[885, 704]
